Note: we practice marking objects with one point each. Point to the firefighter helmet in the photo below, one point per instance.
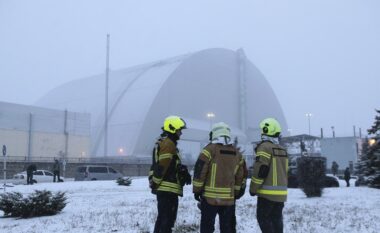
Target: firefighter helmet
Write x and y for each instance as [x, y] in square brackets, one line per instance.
[174, 123]
[270, 127]
[220, 129]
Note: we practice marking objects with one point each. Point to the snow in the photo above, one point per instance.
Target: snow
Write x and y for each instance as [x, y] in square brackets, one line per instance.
[104, 206]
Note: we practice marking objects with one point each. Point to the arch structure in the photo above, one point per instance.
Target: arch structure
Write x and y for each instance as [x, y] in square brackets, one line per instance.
[218, 81]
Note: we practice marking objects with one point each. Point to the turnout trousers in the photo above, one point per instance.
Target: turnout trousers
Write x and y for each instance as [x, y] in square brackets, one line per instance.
[29, 178]
[167, 206]
[269, 215]
[209, 212]
[56, 175]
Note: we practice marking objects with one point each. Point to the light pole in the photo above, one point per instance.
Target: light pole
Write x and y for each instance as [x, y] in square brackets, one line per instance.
[210, 115]
[333, 131]
[308, 119]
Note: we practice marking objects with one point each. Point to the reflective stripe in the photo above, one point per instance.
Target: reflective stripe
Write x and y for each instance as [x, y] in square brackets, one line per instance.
[257, 181]
[179, 155]
[241, 162]
[197, 184]
[165, 156]
[207, 154]
[273, 192]
[274, 167]
[155, 154]
[217, 190]
[237, 188]
[150, 173]
[221, 196]
[156, 180]
[236, 169]
[264, 154]
[268, 187]
[286, 166]
[213, 175]
[170, 184]
[168, 189]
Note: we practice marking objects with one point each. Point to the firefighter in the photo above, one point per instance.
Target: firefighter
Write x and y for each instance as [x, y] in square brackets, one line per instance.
[168, 175]
[218, 178]
[269, 180]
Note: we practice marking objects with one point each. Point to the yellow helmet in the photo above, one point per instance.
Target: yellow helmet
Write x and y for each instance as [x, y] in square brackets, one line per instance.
[270, 127]
[174, 123]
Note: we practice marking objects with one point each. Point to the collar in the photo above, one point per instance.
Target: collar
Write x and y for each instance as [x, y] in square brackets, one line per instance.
[273, 140]
[222, 140]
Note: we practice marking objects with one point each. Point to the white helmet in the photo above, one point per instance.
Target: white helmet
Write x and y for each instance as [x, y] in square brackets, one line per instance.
[220, 129]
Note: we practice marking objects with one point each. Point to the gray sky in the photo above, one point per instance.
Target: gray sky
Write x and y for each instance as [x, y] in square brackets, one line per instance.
[320, 56]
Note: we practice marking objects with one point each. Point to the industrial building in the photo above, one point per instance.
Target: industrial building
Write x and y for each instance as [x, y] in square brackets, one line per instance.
[204, 87]
[40, 134]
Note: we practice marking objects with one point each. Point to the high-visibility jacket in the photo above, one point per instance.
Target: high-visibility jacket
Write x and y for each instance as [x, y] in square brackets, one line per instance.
[164, 171]
[270, 172]
[218, 174]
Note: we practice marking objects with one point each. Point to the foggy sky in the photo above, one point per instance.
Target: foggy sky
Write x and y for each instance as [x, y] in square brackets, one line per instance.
[319, 56]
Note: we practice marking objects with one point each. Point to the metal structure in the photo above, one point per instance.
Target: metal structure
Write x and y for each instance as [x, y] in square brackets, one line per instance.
[220, 81]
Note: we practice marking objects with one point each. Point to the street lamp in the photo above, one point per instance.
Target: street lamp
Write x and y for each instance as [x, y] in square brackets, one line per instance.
[210, 115]
[371, 142]
[308, 119]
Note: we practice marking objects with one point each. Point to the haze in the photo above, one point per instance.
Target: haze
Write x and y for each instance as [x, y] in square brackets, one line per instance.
[319, 56]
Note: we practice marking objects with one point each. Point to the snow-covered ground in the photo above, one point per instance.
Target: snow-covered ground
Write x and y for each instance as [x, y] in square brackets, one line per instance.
[103, 206]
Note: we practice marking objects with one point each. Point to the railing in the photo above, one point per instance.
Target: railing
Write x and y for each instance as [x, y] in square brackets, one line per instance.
[124, 159]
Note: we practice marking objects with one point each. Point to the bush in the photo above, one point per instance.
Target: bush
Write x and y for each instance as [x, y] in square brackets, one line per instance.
[126, 181]
[39, 203]
[311, 173]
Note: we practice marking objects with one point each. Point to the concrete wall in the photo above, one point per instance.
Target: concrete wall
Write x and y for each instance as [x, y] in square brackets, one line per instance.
[41, 132]
[43, 144]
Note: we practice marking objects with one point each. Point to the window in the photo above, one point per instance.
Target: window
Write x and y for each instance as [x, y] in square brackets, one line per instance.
[98, 169]
[48, 173]
[38, 173]
[111, 170]
[81, 169]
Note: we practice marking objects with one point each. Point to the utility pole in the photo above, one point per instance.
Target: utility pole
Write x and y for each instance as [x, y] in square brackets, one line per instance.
[308, 118]
[106, 99]
[5, 166]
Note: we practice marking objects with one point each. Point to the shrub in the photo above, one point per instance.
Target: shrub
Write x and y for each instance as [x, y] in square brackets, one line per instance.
[310, 173]
[39, 203]
[126, 181]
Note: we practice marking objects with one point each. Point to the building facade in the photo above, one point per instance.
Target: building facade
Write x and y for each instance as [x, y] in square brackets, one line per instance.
[35, 133]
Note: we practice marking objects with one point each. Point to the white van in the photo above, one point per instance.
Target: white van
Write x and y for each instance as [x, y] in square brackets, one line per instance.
[96, 172]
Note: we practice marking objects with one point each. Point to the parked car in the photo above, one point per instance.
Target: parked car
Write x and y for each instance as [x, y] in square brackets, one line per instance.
[96, 172]
[39, 176]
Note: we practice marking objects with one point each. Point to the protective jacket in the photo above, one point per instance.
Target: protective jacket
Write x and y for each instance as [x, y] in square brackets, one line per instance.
[56, 166]
[218, 174]
[270, 172]
[163, 175]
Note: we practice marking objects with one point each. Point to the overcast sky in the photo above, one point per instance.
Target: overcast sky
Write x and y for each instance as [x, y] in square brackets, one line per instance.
[320, 56]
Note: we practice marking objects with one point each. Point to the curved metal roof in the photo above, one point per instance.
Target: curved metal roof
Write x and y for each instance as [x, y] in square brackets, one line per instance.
[190, 86]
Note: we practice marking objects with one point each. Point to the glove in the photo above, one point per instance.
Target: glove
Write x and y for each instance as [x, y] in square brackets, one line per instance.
[252, 194]
[197, 197]
[184, 175]
[240, 193]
